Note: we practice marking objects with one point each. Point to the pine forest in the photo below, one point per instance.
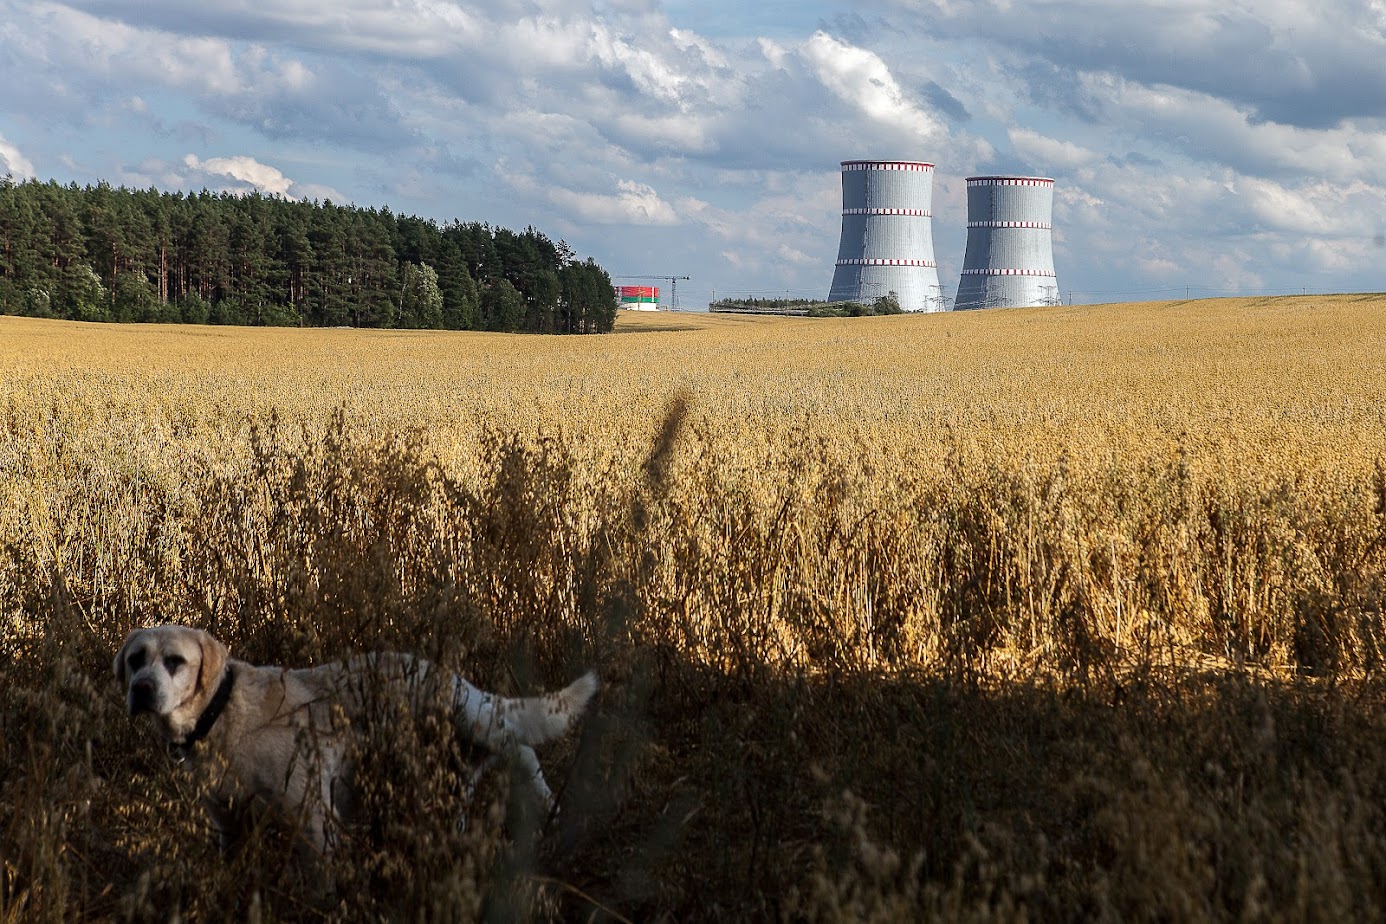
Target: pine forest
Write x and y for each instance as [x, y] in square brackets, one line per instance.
[115, 254]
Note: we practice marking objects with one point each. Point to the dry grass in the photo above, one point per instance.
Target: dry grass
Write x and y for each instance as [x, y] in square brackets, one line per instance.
[1064, 613]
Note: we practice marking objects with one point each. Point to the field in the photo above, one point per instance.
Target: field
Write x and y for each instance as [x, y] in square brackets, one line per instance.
[1069, 613]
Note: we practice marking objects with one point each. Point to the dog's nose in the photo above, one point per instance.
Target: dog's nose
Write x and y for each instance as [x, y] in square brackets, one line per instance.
[141, 697]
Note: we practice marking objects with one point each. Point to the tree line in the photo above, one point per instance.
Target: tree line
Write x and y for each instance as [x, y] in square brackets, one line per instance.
[98, 253]
[814, 308]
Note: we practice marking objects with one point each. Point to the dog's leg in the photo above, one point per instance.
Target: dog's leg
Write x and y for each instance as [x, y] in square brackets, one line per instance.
[530, 770]
[481, 769]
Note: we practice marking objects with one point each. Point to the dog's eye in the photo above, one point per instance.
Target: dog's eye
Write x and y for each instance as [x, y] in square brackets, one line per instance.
[136, 661]
[173, 662]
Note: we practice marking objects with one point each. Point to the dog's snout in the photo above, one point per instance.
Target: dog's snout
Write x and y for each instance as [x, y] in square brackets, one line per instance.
[141, 696]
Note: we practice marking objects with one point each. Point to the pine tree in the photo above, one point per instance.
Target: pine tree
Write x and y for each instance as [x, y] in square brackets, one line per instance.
[101, 253]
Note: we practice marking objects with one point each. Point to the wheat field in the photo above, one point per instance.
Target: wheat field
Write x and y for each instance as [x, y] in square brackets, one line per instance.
[1041, 614]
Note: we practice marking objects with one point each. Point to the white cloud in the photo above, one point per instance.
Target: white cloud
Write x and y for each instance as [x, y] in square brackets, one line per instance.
[782, 233]
[773, 51]
[14, 163]
[263, 177]
[1208, 128]
[1051, 151]
[633, 203]
[859, 77]
[1314, 208]
[1303, 62]
[710, 53]
[242, 173]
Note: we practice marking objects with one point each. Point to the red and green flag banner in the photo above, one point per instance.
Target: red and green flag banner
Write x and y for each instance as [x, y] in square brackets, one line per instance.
[638, 295]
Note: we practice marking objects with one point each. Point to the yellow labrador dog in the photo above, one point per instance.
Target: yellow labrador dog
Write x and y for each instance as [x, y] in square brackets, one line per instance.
[281, 735]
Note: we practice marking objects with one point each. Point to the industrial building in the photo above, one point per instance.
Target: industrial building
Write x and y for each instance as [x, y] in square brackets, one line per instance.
[887, 242]
[1010, 253]
[638, 298]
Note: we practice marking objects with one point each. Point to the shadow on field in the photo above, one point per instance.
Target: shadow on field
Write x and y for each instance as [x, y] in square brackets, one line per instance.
[718, 777]
[860, 797]
[693, 796]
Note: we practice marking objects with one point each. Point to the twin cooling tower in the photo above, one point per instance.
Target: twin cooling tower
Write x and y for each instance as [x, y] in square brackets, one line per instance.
[1010, 250]
[887, 242]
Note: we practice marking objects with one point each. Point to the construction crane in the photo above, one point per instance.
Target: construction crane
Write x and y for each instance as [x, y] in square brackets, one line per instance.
[673, 285]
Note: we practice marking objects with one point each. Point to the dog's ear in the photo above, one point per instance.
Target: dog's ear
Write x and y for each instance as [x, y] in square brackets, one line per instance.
[214, 656]
[119, 665]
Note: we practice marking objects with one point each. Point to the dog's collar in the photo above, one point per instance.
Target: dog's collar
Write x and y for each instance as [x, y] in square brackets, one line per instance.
[182, 750]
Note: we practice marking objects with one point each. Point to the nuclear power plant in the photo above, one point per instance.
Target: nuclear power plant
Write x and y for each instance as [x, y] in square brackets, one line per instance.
[1010, 252]
[887, 243]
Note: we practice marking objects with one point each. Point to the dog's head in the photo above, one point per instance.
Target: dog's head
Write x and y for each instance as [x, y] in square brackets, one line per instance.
[172, 672]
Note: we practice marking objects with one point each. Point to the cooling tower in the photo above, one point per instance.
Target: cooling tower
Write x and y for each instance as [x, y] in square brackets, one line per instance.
[1010, 251]
[887, 242]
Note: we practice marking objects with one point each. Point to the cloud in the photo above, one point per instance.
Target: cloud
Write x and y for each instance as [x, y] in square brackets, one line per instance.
[13, 163]
[369, 75]
[860, 78]
[1049, 153]
[82, 65]
[1313, 208]
[1208, 128]
[633, 203]
[247, 174]
[245, 169]
[422, 28]
[945, 102]
[778, 234]
[1309, 63]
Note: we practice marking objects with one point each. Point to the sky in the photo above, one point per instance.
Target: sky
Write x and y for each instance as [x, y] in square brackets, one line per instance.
[1207, 147]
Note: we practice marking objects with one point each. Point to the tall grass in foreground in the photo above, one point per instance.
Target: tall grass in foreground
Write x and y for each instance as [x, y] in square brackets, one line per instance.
[857, 666]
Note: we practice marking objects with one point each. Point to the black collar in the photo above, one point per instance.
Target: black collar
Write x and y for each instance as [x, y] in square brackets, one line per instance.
[184, 749]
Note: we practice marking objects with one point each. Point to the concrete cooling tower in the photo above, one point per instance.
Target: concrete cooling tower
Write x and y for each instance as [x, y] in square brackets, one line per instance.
[1010, 253]
[887, 242]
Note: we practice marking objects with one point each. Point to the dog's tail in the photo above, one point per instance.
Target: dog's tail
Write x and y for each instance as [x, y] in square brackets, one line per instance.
[539, 719]
[494, 721]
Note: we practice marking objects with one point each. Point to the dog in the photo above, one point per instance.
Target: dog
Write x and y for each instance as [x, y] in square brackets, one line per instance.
[280, 738]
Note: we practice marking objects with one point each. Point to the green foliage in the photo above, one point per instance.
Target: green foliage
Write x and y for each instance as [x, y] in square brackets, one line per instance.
[421, 300]
[280, 316]
[262, 260]
[134, 299]
[887, 304]
[502, 307]
[813, 308]
[81, 296]
[37, 303]
[765, 305]
[193, 309]
[588, 303]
